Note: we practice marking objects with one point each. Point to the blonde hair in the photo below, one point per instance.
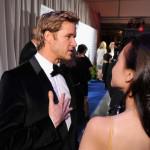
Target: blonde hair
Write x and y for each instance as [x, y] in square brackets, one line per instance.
[103, 45]
[52, 22]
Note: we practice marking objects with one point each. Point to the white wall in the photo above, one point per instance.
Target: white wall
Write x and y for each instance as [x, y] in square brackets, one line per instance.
[88, 36]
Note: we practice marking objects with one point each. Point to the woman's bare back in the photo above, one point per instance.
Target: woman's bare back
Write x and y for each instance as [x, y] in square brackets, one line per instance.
[128, 133]
[119, 132]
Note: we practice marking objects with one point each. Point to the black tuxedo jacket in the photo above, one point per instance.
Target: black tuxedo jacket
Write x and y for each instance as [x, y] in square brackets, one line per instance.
[24, 120]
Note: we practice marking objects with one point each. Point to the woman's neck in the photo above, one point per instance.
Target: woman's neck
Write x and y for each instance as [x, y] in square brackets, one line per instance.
[130, 104]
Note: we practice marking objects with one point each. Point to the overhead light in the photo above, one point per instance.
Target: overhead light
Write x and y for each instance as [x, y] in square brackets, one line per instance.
[136, 23]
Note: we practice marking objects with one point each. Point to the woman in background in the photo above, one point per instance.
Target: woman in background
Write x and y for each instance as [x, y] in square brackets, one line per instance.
[99, 61]
[112, 47]
[129, 130]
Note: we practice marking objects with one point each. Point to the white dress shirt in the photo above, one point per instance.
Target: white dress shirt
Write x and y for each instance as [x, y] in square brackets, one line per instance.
[58, 82]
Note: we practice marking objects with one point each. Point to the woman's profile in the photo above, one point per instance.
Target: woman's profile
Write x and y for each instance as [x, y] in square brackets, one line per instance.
[129, 130]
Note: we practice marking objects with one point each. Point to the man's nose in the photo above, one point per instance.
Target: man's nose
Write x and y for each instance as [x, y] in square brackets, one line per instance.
[74, 43]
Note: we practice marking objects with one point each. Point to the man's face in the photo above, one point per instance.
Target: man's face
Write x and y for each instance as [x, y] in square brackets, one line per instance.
[63, 42]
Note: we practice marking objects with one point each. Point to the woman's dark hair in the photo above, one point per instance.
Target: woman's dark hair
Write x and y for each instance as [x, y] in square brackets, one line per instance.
[138, 59]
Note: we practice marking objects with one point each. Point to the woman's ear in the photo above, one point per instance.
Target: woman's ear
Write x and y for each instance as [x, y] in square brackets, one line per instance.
[129, 75]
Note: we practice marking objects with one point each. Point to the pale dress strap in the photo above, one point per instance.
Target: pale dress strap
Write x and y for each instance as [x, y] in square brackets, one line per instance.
[110, 134]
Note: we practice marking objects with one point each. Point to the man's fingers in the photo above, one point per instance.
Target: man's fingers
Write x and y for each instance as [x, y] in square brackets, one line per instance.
[51, 97]
[67, 114]
[62, 100]
[66, 104]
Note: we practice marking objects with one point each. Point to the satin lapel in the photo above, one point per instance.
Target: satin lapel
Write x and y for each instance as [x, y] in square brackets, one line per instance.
[43, 78]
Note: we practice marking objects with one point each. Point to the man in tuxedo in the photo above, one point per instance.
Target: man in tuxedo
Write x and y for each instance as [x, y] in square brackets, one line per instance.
[37, 103]
[29, 49]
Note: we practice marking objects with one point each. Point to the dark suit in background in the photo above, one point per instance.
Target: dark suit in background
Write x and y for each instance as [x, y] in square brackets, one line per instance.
[29, 49]
[27, 52]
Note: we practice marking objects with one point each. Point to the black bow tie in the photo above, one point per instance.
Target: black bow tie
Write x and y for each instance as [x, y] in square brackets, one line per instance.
[56, 70]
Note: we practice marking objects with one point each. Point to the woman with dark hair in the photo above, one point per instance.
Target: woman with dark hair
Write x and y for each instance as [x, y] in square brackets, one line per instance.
[129, 130]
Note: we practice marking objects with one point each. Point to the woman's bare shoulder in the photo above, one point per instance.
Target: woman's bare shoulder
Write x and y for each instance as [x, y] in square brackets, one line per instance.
[96, 133]
[99, 122]
[104, 124]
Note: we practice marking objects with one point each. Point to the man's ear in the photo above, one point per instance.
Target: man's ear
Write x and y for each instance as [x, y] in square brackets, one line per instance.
[129, 75]
[47, 36]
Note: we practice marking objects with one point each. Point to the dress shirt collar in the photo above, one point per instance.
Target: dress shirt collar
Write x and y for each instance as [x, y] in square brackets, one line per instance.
[46, 65]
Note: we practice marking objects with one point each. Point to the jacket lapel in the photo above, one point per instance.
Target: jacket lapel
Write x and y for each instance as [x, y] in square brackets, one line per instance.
[46, 84]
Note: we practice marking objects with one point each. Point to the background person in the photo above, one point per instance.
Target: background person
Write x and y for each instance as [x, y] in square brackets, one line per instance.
[106, 62]
[131, 74]
[102, 49]
[70, 67]
[112, 47]
[30, 48]
[83, 65]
